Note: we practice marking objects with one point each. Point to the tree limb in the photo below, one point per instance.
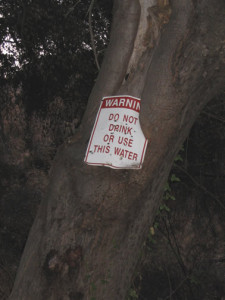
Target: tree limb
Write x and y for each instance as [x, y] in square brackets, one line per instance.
[200, 186]
[91, 33]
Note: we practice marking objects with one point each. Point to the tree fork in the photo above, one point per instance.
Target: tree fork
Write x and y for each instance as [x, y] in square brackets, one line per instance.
[90, 228]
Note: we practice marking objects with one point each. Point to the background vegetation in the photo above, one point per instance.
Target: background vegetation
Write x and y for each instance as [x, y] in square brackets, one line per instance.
[47, 72]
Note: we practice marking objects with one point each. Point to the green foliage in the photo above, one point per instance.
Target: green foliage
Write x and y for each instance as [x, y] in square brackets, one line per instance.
[168, 195]
[164, 207]
[93, 286]
[178, 158]
[104, 281]
[194, 280]
[174, 178]
[45, 47]
[132, 294]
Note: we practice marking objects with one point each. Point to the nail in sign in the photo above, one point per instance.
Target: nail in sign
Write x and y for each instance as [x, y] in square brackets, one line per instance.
[117, 140]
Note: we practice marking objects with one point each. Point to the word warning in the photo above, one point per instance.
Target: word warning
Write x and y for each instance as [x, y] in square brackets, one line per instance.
[117, 140]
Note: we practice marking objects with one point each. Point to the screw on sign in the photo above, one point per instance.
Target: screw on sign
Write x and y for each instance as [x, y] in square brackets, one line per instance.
[117, 140]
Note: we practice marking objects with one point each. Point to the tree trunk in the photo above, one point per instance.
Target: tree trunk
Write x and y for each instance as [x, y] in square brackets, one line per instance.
[88, 235]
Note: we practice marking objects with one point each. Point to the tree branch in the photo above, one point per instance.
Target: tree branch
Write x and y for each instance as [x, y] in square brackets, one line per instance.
[72, 8]
[200, 186]
[91, 33]
[118, 53]
[177, 288]
[213, 116]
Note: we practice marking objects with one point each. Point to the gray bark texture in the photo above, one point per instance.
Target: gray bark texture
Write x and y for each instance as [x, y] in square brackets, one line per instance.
[88, 234]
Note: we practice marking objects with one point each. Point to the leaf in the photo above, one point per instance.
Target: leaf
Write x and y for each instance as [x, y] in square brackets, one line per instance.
[104, 281]
[93, 287]
[152, 230]
[174, 178]
[156, 225]
[133, 294]
[172, 197]
[164, 207]
[168, 196]
[194, 280]
[167, 187]
[178, 158]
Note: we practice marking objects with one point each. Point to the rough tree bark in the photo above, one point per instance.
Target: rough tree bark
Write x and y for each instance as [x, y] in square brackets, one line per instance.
[89, 231]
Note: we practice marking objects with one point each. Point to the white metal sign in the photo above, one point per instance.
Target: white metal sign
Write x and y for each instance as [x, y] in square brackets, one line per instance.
[117, 140]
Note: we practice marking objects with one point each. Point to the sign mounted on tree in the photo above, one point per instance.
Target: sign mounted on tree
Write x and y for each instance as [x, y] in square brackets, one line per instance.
[117, 140]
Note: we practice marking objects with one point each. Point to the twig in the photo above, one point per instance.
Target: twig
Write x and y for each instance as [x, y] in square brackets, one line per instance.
[91, 32]
[175, 251]
[168, 276]
[8, 274]
[213, 116]
[186, 152]
[182, 264]
[177, 288]
[200, 186]
[23, 19]
[72, 8]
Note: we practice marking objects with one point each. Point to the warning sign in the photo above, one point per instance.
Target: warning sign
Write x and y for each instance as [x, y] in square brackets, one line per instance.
[117, 140]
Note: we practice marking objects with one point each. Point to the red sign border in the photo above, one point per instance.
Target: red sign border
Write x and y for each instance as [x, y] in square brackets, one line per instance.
[93, 132]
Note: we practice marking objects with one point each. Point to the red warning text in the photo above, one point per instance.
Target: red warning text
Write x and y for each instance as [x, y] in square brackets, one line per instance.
[123, 102]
